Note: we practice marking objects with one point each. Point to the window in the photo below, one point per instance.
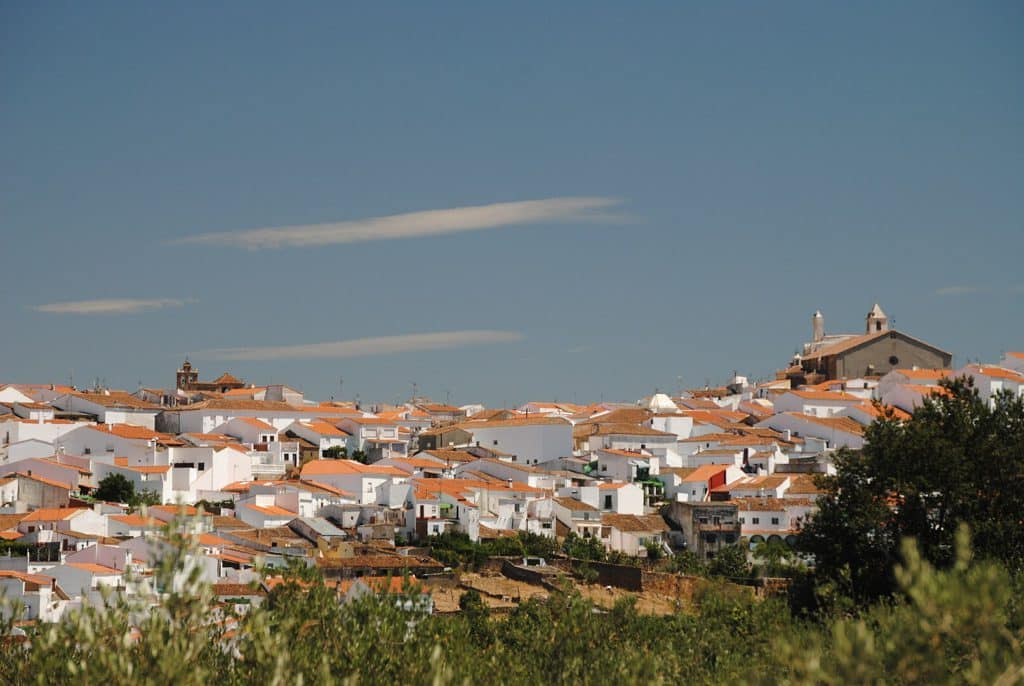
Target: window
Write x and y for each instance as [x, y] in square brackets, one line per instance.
[607, 502]
[775, 520]
[495, 441]
[893, 360]
[755, 520]
[743, 520]
[703, 520]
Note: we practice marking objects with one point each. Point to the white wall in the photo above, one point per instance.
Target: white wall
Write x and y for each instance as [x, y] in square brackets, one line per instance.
[541, 442]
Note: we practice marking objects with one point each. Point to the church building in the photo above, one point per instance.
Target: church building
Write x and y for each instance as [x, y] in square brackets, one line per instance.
[188, 380]
[876, 352]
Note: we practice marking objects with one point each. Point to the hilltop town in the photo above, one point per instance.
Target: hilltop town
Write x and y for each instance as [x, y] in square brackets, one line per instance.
[263, 479]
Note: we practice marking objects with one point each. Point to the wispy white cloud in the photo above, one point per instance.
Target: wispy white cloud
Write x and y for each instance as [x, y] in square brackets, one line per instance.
[960, 290]
[110, 306]
[418, 224]
[362, 347]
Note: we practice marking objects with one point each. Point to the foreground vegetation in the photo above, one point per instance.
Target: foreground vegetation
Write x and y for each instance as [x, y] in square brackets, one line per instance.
[961, 625]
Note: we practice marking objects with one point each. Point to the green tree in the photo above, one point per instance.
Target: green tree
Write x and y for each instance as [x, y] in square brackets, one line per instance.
[730, 562]
[689, 563]
[359, 456]
[957, 626]
[145, 497]
[956, 460]
[115, 488]
[336, 452]
[776, 559]
[584, 548]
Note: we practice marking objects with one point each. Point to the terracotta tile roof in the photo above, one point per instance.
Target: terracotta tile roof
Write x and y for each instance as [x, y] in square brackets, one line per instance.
[875, 411]
[213, 540]
[256, 423]
[9, 521]
[513, 423]
[308, 484]
[635, 523]
[117, 399]
[770, 504]
[175, 510]
[148, 469]
[627, 430]
[928, 391]
[36, 579]
[269, 406]
[748, 483]
[272, 510]
[827, 395]
[837, 423]
[136, 520]
[369, 421]
[574, 505]
[416, 463]
[324, 427]
[924, 374]
[623, 416]
[439, 407]
[325, 467]
[723, 419]
[704, 473]
[94, 568]
[244, 392]
[846, 344]
[801, 484]
[230, 590]
[996, 372]
[54, 514]
[625, 453]
[140, 433]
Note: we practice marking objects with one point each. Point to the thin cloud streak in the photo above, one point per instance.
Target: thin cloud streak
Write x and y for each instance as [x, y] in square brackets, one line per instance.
[960, 290]
[417, 224]
[362, 347]
[110, 306]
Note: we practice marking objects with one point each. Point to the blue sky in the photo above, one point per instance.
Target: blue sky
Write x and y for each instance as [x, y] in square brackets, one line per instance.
[712, 175]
